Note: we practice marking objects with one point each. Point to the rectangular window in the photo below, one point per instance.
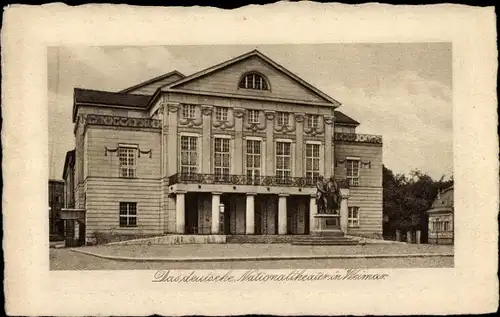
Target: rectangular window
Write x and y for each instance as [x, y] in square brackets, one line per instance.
[353, 217]
[352, 167]
[253, 116]
[312, 121]
[221, 114]
[283, 118]
[283, 162]
[128, 214]
[188, 111]
[189, 155]
[127, 157]
[222, 159]
[253, 160]
[312, 161]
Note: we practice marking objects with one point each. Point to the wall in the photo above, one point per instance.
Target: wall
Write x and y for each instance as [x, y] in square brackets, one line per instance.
[105, 189]
[102, 163]
[103, 205]
[369, 176]
[369, 201]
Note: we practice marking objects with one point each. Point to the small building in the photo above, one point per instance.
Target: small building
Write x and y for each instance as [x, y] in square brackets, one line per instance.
[441, 220]
[56, 203]
[234, 149]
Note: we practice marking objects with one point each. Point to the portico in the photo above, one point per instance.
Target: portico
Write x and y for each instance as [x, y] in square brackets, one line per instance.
[266, 210]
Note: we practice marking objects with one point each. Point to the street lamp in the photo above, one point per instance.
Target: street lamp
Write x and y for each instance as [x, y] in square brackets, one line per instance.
[221, 219]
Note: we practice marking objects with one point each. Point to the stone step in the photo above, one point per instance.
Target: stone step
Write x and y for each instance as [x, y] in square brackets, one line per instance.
[293, 239]
[325, 242]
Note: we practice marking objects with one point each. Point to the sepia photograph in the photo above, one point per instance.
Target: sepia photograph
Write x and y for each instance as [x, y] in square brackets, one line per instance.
[295, 158]
[240, 156]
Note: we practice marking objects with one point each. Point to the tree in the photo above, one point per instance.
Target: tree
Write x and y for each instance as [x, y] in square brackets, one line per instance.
[407, 198]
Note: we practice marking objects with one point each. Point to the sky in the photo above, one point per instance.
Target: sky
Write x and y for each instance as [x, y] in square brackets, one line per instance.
[400, 91]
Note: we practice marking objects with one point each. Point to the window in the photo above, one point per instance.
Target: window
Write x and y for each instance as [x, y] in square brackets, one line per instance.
[312, 161]
[221, 114]
[222, 160]
[128, 214]
[127, 158]
[253, 81]
[188, 111]
[312, 121]
[353, 217]
[254, 156]
[283, 161]
[440, 225]
[253, 116]
[189, 155]
[352, 166]
[283, 118]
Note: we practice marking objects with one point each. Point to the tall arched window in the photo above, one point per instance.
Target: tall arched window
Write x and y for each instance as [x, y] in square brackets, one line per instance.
[253, 81]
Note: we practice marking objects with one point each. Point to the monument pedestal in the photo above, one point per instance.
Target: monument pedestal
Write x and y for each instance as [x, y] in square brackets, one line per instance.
[335, 223]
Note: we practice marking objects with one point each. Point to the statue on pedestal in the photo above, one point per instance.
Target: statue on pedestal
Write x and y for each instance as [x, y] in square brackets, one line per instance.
[328, 195]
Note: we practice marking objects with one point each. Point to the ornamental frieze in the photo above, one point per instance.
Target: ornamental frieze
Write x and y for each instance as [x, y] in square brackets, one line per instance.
[329, 120]
[173, 106]
[227, 124]
[256, 126]
[239, 112]
[206, 110]
[299, 117]
[285, 128]
[318, 129]
[196, 121]
[116, 121]
[358, 138]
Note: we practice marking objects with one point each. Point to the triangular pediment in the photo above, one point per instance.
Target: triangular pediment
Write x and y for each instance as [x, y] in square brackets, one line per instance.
[224, 78]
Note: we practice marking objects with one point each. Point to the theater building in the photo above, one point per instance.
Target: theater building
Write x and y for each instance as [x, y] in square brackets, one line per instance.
[234, 149]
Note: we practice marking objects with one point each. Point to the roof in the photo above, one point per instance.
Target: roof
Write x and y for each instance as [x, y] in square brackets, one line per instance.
[265, 59]
[68, 162]
[444, 201]
[98, 97]
[152, 80]
[342, 118]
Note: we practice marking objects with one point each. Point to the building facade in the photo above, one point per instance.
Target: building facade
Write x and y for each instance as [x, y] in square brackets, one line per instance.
[56, 203]
[441, 220]
[233, 149]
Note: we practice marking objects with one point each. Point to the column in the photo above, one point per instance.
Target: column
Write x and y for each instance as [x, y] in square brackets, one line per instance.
[180, 214]
[206, 111]
[163, 117]
[250, 214]
[172, 149]
[282, 214]
[238, 140]
[269, 151]
[215, 212]
[344, 210]
[328, 146]
[299, 145]
[313, 210]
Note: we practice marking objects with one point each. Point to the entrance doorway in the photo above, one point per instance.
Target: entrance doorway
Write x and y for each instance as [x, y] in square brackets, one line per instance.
[297, 214]
[266, 214]
[191, 209]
